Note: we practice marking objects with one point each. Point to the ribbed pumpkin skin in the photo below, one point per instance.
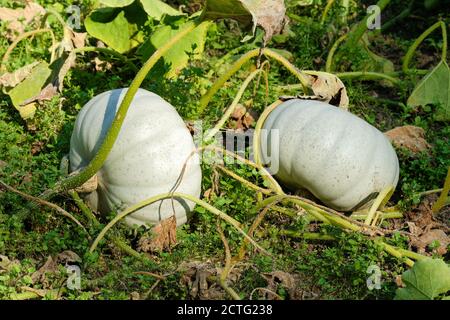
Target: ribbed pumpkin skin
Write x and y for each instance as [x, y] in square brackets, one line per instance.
[338, 157]
[145, 161]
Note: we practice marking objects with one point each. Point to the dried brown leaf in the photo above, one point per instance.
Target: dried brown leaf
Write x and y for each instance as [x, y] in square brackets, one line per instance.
[409, 137]
[78, 39]
[50, 266]
[329, 88]
[164, 235]
[277, 278]
[198, 277]
[47, 93]
[248, 120]
[68, 256]
[413, 229]
[101, 65]
[429, 237]
[268, 14]
[18, 19]
[89, 186]
[238, 112]
[135, 296]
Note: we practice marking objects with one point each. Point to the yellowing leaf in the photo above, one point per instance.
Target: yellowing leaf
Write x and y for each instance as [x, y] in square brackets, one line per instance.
[29, 88]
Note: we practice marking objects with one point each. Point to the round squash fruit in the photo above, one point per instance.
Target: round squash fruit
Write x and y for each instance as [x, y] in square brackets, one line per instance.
[341, 159]
[146, 159]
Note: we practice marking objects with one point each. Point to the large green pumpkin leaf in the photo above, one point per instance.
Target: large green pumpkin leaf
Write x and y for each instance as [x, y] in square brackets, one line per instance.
[426, 280]
[116, 3]
[111, 27]
[118, 28]
[269, 14]
[434, 88]
[28, 88]
[192, 45]
[156, 9]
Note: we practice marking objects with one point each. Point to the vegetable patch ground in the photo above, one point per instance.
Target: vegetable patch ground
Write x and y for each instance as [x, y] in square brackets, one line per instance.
[308, 259]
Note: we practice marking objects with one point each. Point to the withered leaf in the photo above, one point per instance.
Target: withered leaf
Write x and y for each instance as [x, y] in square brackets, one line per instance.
[269, 14]
[429, 237]
[78, 39]
[164, 235]
[274, 279]
[18, 19]
[329, 88]
[89, 186]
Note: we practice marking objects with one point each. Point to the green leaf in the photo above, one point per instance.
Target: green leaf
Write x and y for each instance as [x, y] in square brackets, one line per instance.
[434, 88]
[28, 88]
[427, 279]
[118, 28]
[178, 56]
[116, 3]
[156, 9]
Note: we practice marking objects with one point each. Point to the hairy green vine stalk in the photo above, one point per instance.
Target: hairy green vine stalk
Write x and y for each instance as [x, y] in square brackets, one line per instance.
[24, 36]
[169, 195]
[326, 10]
[204, 101]
[233, 105]
[361, 28]
[440, 203]
[412, 49]
[117, 241]
[228, 266]
[107, 51]
[329, 63]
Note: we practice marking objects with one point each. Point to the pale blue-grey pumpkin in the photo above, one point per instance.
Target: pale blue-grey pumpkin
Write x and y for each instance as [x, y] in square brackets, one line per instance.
[340, 158]
[146, 159]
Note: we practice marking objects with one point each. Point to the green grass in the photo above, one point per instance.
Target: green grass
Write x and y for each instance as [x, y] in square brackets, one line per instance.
[31, 151]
